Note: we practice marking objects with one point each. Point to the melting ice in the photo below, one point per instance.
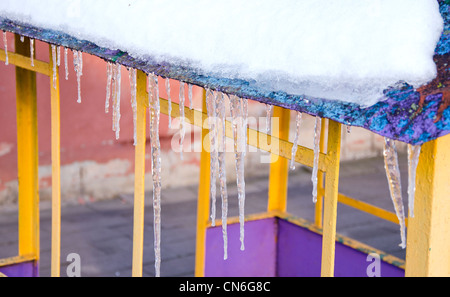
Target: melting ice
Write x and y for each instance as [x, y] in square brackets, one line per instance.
[212, 121]
[413, 161]
[317, 131]
[295, 143]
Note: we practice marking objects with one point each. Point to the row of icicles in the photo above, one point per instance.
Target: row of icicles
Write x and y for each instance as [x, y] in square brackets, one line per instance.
[215, 102]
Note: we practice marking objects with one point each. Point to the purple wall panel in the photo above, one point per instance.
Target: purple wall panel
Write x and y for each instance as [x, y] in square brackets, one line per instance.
[259, 257]
[24, 269]
[299, 254]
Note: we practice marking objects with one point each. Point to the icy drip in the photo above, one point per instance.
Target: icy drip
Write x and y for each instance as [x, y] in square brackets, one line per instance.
[393, 177]
[66, 62]
[5, 43]
[156, 167]
[54, 65]
[32, 52]
[317, 130]
[190, 95]
[109, 73]
[220, 111]
[239, 128]
[78, 64]
[212, 119]
[295, 143]
[413, 161]
[22, 38]
[269, 119]
[169, 100]
[58, 56]
[133, 86]
[115, 91]
[182, 123]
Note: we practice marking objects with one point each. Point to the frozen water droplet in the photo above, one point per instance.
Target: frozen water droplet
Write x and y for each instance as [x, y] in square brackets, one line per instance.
[393, 177]
[295, 143]
[413, 161]
[317, 131]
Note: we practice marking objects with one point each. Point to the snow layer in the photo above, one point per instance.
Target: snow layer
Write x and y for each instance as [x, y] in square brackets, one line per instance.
[346, 50]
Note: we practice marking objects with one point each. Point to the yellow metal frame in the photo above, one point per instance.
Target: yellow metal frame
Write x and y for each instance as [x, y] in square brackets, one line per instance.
[427, 250]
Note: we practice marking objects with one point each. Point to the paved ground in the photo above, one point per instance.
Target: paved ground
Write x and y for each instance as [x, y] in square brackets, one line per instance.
[101, 232]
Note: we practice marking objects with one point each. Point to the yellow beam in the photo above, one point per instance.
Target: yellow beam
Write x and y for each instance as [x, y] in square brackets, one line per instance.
[331, 199]
[23, 61]
[139, 175]
[428, 242]
[27, 155]
[278, 176]
[56, 170]
[203, 203]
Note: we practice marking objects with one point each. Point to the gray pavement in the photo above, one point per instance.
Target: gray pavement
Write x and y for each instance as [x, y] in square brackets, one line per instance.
[101, 232]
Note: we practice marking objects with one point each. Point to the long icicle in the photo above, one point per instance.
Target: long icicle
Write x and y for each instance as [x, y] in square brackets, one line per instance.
[269, 109]
[182, 120]
[317, 130]
[109, 73]
[413, 161]
[66, 62]
[78, 64]
[32, 51]
[295, 143]
[5, 44]
[169, 100]
[58, 55]
[54, 65]
[190, 95]
[393, 177]
[133, 85]
[238, 124]
[212, 119]
[156, 168]
[118, 82]
[220, 107]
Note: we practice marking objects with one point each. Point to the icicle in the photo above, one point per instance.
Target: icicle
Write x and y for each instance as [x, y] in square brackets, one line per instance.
[413, 161]
[239, 127]
[220, 107]
[295, 143]
[156, 167]
[5, 43]
[182, 123]
[393, 177]
[269, 119]
[78, 64]
[32, 51]
[58, 55]
[317, 130]
[54, 65]
[109, 70]
[169, 100]
[212, 121]
[22, 38]
[66, 63]
[190, 95]
[132, 75]
[117, 90]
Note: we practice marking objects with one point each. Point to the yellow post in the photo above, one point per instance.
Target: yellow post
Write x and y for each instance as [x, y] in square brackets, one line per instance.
[139, 175]
[203, 201]
[56, 170]
[428, 242]
[278, 176]
[331, 199]
[27, 155]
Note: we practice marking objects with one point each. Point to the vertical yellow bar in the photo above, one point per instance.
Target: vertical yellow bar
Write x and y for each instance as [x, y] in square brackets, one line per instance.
[428, 242]
[203, 201]
[27, 155]
[139, 175]
[278, 176]
[319, 204]
[331, 199]
[56, 169]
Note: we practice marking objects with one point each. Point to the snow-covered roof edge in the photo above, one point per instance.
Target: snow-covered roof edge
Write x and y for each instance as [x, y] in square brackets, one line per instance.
[402, 116]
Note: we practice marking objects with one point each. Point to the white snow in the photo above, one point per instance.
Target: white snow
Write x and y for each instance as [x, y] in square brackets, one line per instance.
[337, 49]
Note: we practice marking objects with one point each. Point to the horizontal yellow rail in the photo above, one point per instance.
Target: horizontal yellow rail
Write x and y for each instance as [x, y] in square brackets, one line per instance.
[25, 63]
[16, 260]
